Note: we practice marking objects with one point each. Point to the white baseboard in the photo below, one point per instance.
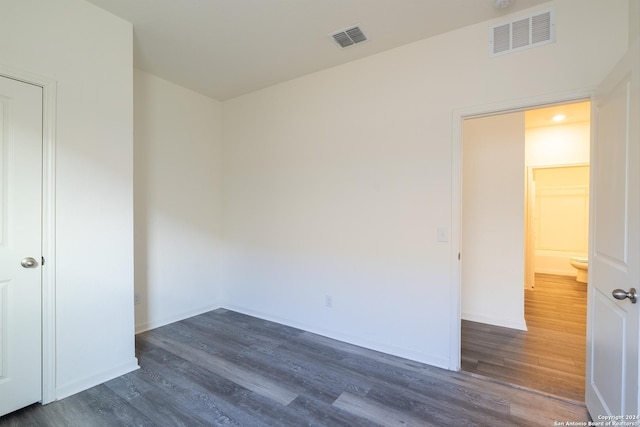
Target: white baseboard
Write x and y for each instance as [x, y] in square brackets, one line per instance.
[521, 325]
[427, 359]
[557, 272]
[94, 380]
[147, 326]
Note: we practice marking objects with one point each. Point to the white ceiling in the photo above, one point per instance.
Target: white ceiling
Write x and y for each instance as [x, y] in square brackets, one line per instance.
[225, 48]
[573, 113]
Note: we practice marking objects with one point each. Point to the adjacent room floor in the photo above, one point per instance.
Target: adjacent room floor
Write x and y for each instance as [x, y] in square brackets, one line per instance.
[550, 356]
[228, 369]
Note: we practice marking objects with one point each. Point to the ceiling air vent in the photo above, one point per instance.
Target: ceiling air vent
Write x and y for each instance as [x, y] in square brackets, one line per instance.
[523, 33]
[349, 36]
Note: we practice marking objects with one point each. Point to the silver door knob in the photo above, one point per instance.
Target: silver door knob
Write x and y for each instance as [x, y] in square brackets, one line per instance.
[29, 262]
[621, 294]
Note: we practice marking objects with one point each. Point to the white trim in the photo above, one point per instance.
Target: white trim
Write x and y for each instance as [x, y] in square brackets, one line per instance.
[49, 242]
[418, 356]
[556, 272]
[558, 165]
[458, 116]
[94, 380]
[147, 326]
[48, 86]
[496, 321]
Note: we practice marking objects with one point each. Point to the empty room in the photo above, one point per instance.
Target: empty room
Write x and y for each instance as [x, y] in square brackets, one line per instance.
[253, 213]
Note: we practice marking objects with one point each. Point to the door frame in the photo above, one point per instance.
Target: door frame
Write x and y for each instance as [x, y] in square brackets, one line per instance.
[456, 257]
[530, 194]
[48, 274]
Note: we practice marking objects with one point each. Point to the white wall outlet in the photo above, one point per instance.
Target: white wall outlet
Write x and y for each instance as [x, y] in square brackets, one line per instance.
[328, 301]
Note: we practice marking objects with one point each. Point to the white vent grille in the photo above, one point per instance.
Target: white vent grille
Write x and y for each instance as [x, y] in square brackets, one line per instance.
[520, 33]
[524, 33]
[349, 36]
[543, 26]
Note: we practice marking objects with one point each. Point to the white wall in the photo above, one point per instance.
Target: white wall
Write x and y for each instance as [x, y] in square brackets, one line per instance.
[335, 183]
[558, 145]
[88, 52]
[634, 21]
[177, 163]
[493, 220]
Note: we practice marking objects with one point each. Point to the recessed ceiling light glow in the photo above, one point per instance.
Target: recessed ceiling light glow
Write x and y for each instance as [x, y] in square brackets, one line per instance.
[558, 117]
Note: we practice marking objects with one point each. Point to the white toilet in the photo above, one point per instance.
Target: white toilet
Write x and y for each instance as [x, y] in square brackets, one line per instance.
[582, 266]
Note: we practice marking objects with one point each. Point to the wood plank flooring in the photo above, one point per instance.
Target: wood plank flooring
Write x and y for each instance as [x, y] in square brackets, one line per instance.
[223, 368]
[550, 356]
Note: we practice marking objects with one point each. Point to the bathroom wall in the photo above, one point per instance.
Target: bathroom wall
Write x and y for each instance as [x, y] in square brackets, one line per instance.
[557, 145]
[559, 199]
[560, 217]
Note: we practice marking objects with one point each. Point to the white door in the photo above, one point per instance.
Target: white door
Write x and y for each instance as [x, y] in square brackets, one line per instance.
[614, 255]
[20, 244]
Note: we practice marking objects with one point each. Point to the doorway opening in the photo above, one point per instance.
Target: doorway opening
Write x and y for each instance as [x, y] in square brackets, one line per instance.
[525, 210]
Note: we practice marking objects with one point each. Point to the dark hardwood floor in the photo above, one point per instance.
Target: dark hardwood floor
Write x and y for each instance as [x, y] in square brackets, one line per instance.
[550, 356]
[227, 369]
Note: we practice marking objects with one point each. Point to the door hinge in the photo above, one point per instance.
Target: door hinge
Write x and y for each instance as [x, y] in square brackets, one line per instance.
[458, 256]
[42, 263]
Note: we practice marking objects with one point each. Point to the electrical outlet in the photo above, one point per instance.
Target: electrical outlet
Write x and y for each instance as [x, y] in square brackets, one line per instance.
[136, 298]
[328, 301]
